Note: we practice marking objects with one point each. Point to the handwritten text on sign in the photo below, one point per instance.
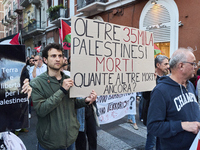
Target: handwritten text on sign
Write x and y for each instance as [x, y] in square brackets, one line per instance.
[110, 59]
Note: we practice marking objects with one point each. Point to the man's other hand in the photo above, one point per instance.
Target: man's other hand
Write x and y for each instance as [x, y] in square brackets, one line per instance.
[91, 98]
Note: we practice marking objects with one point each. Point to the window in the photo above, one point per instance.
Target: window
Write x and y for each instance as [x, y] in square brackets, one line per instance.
[14, 30]
[49, 3]
[60, 2]
[10, 33]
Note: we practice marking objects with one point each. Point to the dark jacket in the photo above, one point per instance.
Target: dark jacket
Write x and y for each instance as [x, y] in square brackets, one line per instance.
[171, 104]
[57, 126]
[146, 101]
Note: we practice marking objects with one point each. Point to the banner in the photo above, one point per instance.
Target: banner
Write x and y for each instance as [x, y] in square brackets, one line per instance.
[115, 107]
[109, 58]
[13, 104]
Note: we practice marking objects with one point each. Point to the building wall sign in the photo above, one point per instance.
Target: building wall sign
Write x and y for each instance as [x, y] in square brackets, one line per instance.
[157, 26]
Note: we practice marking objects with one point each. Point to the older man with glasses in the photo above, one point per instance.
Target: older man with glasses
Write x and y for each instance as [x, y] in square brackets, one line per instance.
[38, 68]
[174, 114]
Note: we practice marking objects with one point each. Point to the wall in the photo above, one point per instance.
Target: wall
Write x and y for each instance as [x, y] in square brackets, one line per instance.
[189, 33]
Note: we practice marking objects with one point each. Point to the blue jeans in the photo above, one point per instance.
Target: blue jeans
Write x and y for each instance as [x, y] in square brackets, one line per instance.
[132, 117]
[71, 147]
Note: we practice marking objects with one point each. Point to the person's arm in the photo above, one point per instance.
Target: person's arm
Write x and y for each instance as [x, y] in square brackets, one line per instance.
[30, 72]
[157, 124]
[198, 90]
[43, 105]
[26, 88]
[34, 72]
[34, 69]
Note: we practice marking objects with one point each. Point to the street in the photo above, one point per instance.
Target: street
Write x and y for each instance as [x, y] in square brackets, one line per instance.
[118, 135]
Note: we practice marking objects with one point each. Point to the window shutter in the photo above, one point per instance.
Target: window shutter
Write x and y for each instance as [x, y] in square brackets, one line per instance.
[159, 25]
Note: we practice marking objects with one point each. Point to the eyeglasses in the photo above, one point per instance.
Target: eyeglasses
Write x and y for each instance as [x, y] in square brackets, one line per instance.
[35, 60]
[191, 63]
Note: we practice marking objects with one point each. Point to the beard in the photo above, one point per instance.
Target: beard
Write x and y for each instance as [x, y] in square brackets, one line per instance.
[55, 68]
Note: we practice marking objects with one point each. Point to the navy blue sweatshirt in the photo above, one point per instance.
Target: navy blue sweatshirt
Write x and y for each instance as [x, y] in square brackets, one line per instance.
[171, 104]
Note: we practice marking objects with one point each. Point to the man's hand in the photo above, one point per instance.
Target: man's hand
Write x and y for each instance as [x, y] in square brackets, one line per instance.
[67, 83]
[26, 88]
[92, 97]
[36, 63]
[191, 126]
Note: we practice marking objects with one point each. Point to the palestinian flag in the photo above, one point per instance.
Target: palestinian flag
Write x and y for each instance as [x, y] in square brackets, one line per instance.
[10, 40]
[156, 50]
[65, 34]
[38, 48]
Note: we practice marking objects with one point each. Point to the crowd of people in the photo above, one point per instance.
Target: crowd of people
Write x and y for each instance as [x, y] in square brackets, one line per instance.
[170, 111]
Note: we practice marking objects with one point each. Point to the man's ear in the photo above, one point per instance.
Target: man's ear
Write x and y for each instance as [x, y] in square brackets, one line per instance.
[180, 65]
[45, 60]
[158, 65]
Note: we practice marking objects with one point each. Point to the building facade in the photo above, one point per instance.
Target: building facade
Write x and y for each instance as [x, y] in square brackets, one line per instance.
[173, 22]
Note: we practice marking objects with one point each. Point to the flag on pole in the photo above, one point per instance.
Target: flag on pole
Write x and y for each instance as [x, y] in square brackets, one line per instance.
[38, 48]
[10, 40]
[157, 50]
[65, 34]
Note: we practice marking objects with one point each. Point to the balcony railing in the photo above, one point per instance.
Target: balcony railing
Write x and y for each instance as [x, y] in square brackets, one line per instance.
[83, 3]
[32, 28]
[18, 9]
[35, 2]
[24, 3]
[7, 18]
[61, 13]
[4, 22]
[12, 15]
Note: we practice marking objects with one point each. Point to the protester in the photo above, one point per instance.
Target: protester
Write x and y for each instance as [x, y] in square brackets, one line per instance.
[57, 126]
[173, 113]
[87, 117]
[131, 119]
[65, 67]
[26, 89]
[31, 61]
[25, 74]
[161, 69]
[38, 68]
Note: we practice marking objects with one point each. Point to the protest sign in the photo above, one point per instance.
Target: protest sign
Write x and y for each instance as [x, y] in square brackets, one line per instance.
[109, 58]
[13, 104]
[114, 107]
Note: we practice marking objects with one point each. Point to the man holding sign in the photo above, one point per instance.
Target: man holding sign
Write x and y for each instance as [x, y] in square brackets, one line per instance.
[57, 126]
[174, 114]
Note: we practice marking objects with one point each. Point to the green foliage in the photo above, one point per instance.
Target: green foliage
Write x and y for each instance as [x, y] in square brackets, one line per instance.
[54, 8]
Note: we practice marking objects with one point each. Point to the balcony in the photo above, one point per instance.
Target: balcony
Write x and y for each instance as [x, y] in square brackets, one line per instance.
[8, 19]
[32, 29]
[12, 14]
[35, 2]
[24, 3]
[91, 7]
[4, 22]
[56, 16]
[18, 9]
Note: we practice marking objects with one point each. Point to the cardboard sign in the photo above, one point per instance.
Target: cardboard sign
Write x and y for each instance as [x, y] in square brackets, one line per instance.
[115, 107]
[109, 58]
[13, 104]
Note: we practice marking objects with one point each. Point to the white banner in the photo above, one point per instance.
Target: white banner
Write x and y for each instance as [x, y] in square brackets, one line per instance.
[115, 107]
